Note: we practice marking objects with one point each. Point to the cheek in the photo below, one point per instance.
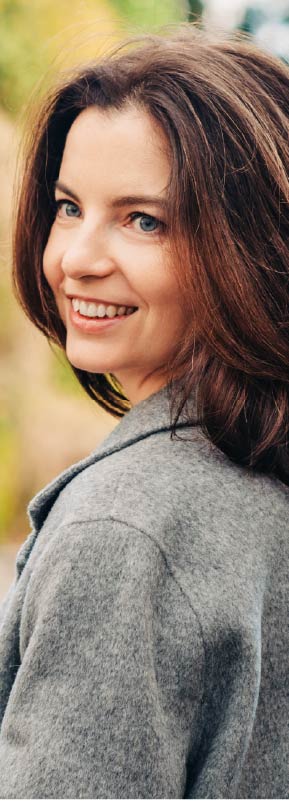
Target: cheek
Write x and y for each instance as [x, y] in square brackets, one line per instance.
[156, 281]
[164, 291]
[50, 264]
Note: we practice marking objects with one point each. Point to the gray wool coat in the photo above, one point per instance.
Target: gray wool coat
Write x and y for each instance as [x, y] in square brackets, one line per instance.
[144, 642]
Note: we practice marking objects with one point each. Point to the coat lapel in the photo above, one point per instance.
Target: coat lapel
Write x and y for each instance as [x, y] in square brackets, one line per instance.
[146, 418]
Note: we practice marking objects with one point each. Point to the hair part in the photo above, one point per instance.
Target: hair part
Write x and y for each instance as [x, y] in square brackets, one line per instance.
[223, 107]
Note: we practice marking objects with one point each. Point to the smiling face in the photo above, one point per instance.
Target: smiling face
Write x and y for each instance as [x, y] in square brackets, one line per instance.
[105, 246]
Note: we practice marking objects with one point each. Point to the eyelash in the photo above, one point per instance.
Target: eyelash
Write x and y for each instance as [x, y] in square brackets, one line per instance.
[133, 216]
[136, 215]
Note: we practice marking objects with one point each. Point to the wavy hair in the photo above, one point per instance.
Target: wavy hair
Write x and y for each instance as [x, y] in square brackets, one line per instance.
[223, 106]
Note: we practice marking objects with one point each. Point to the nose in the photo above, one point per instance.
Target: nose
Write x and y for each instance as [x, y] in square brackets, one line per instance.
[88, 256]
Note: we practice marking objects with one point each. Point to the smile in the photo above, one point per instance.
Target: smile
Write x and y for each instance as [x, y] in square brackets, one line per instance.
[90, 309]
[95, 324]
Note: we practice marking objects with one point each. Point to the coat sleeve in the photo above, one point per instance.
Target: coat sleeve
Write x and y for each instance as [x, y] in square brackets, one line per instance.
[107, 699]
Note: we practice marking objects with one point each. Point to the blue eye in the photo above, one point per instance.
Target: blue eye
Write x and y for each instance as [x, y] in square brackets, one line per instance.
[66, 208]
[148, 223]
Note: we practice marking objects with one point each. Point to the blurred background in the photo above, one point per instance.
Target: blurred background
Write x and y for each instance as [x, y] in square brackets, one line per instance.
[46, 421]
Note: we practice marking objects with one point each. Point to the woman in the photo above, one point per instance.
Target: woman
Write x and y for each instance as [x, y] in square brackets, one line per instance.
[142, 646]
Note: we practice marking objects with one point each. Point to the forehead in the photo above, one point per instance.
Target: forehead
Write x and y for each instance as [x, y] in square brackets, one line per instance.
[126, 145]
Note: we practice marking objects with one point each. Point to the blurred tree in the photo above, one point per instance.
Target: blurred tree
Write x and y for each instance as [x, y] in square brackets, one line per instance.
[269, 25]
[195, 9]
[34, 34]
[10, 483]
[150, 12]
[253, 18]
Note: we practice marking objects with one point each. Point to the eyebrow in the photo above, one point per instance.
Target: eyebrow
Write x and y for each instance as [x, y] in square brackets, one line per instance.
[125, 200]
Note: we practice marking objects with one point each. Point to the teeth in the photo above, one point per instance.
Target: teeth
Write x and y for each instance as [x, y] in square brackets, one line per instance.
[99, 310]
[95, 310]
[91, 310]
[111, 311]
[83, 307]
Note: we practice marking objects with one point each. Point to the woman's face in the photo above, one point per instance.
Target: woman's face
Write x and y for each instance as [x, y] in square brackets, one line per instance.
[108, 247]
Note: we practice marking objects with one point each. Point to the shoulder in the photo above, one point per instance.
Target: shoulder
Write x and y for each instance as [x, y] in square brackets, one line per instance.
[212, 523]
[177, 487]
[161, 480]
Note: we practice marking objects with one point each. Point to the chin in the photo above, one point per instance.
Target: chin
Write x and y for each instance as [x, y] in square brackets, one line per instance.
[86, 364]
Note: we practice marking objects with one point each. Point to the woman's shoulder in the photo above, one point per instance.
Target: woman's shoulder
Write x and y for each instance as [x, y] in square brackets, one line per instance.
[180, 477]
[179, 491]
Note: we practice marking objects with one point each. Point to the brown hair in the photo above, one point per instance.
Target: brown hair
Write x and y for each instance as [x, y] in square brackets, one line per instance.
[223, 106]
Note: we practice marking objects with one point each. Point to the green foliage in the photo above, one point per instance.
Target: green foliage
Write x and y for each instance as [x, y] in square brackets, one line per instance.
[18, 54]
[62, 376]
[33, 34]
[38, 37]
[150, 13]
[6, 317]
[9, 477]
[195, 9]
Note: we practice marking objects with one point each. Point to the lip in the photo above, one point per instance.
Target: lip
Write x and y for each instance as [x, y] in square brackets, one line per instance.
[105, 302]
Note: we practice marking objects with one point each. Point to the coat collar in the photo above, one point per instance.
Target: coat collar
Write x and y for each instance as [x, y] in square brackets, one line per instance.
[146, 418]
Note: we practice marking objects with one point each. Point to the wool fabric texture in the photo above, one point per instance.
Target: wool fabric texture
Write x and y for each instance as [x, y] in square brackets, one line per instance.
[144, 641]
